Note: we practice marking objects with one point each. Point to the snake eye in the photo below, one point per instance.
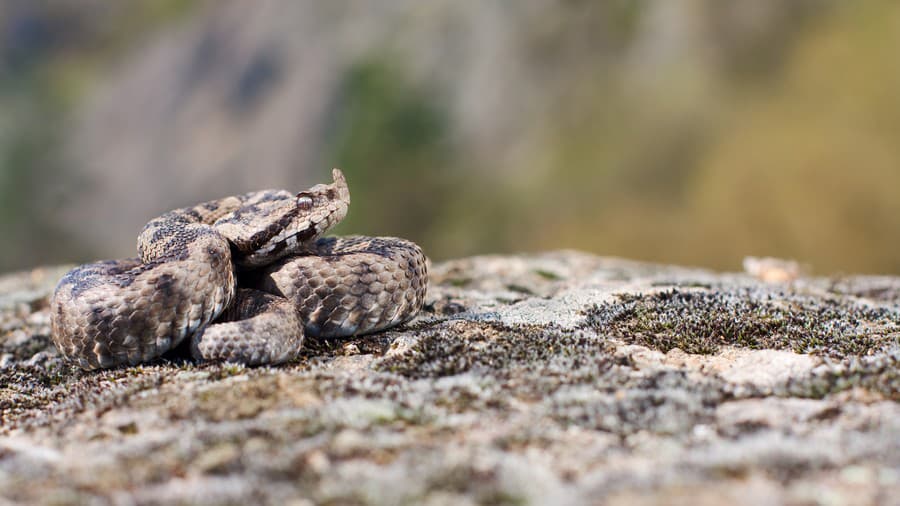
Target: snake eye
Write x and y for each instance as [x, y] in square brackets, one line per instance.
[304, 201]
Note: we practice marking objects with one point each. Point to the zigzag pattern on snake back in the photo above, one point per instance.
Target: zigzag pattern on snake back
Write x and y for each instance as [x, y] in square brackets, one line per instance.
[244, 278]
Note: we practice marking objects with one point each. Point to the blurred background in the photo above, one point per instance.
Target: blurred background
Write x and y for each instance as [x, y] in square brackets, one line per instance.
[693, 132]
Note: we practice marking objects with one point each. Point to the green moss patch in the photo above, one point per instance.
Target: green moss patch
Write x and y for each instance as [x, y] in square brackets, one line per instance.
[703, 321]
[463, 346]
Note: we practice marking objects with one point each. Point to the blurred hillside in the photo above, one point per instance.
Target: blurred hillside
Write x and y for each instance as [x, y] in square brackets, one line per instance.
[692, 132]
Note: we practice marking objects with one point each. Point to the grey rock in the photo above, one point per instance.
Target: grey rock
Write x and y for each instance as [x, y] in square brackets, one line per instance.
[556, 378]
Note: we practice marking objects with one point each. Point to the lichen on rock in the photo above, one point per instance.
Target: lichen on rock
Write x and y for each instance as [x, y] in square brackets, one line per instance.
[556, 378]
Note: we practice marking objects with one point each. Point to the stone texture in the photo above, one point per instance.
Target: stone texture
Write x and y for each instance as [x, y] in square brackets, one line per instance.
[558, 378]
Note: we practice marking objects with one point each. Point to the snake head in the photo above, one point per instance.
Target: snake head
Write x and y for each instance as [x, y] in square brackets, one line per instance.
[273, 223]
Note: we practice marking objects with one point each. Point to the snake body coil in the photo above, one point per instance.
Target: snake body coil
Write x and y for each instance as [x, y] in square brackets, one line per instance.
[244, 277]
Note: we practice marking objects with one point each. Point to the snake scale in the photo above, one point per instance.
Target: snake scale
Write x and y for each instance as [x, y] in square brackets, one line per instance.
[244, 278]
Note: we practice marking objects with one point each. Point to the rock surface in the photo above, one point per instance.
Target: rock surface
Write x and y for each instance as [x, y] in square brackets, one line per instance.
[558, 378]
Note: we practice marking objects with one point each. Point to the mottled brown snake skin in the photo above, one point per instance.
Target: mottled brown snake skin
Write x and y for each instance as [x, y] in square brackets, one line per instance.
[244, 278]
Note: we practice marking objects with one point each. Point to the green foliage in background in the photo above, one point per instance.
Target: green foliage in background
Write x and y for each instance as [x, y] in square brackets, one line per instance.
[29, 128]
[812, 166]
[384, 134]
[800, 160]
[784, 143]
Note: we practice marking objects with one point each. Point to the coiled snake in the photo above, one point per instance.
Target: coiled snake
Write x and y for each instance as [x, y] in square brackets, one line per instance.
[244, 277]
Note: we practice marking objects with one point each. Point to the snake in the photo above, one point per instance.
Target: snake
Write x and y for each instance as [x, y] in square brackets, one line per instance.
[243, 279]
